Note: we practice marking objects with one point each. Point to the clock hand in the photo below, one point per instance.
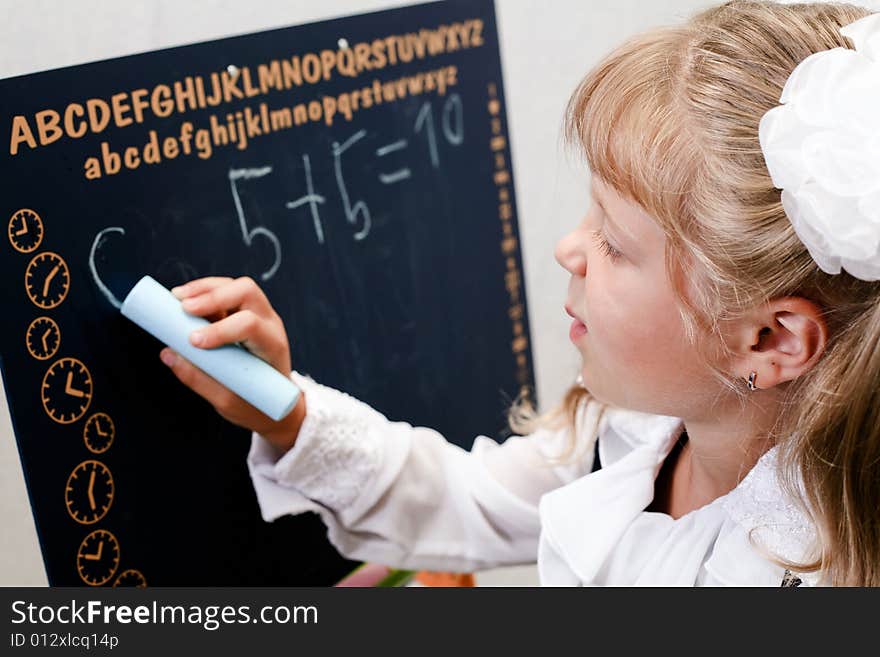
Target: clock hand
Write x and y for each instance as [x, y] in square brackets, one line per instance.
[71, 390]
[23, 229]
[49, 279]
[97, 555]
[43, 340]
[98, 429]
[92, 492]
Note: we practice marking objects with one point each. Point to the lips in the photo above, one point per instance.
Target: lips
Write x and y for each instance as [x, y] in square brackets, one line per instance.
[578, 328]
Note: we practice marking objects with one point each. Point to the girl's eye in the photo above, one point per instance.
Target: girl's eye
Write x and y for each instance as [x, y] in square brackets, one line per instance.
[605, 247]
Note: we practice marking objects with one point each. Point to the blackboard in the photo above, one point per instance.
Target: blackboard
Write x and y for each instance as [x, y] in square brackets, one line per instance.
[357, 168]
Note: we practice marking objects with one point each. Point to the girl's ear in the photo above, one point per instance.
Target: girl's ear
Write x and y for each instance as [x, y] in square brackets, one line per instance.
[780, 341]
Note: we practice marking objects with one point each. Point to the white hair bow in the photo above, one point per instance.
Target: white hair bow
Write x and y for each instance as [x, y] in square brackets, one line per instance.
[822, 148]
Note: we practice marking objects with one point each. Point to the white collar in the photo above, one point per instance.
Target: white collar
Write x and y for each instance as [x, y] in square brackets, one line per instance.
[769, 516]
[587, 518]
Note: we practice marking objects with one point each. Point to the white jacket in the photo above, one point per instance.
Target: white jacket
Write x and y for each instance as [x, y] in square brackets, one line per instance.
[403, 496]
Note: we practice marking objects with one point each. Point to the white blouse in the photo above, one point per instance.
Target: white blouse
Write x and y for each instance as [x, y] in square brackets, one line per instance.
[403, 496]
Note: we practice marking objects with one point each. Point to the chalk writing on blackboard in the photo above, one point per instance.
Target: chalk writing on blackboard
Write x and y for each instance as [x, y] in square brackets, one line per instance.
[357, 212]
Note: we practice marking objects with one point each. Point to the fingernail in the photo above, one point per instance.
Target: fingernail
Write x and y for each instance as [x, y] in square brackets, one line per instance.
[178, 291]
[167, 357]
[197, 338]
[188, 304]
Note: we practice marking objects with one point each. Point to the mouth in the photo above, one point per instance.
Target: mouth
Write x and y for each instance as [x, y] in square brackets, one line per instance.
[578, 328]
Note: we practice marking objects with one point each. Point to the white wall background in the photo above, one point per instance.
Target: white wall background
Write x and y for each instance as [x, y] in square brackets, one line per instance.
[547, 45]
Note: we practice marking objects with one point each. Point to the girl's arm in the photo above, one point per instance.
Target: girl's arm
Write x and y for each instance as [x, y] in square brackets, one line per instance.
[403, 496]
[388, 492]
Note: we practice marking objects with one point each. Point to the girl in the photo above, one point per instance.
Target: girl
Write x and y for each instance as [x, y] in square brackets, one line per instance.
[725, 429]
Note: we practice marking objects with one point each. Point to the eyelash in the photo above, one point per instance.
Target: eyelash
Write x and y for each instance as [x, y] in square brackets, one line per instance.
[605, 247]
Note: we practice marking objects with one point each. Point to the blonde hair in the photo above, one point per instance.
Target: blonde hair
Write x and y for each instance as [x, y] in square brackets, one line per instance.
[670, 119]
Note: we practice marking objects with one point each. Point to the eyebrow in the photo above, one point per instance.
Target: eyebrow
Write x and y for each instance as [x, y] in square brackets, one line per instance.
[617, 227]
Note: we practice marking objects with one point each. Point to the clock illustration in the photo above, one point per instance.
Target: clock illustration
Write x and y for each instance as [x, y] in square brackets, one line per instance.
[47, 280]
[99, 432]
[66, 390]
[131, 577]
[43, 338]
[97, 557]
[89, 492]
[25, 230]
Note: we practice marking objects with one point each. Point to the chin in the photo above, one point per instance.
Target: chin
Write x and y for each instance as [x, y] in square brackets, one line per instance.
[589, 387]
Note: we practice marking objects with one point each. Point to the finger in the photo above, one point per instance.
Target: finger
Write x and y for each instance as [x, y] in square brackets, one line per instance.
[258, 335]
[226, 402]
[239, 294]
[199, 286]
[191, 376]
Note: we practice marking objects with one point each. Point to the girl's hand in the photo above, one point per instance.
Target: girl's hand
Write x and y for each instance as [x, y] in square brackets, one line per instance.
[239, 312]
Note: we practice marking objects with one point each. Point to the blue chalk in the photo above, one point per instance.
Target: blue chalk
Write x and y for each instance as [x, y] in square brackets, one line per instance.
[152, 307]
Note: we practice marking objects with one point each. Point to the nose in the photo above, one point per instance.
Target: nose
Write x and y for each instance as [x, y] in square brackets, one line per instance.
[570, 256]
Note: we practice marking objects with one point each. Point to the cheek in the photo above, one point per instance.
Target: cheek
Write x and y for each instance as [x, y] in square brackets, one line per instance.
[638, 330]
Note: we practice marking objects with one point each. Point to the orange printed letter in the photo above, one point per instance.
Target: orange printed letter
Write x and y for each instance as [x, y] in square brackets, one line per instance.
[21, 132]
[47, 126]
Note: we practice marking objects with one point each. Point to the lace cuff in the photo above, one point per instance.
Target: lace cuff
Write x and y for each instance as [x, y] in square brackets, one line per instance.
[334, 459]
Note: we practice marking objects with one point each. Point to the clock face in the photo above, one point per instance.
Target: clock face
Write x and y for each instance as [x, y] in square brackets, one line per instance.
[43, 338]
[131, 577]
[89, 492]
[47, 280]
[25, 230]
[97, 557]
[66, 390]
[99, 432]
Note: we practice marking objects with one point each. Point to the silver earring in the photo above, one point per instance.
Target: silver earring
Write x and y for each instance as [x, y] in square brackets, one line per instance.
[751, 381]
[579, 380]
